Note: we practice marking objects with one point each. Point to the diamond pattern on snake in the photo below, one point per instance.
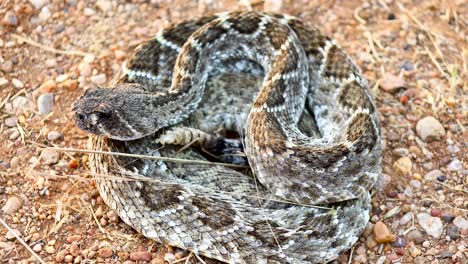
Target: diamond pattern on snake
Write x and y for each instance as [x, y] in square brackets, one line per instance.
[265, 90]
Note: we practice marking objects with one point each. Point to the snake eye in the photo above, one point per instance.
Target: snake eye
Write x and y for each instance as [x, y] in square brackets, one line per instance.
[80, 116]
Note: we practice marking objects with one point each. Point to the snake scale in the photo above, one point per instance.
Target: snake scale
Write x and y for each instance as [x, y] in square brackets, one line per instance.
[304, 114]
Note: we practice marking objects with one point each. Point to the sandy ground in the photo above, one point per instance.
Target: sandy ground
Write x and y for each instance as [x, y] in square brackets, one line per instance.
[414, 54]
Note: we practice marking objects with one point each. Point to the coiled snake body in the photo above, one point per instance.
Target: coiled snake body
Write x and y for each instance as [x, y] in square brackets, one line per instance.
[311, 138]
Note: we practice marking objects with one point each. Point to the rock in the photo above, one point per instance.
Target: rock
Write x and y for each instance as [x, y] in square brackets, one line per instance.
[99, 79]
[400, 242]
[432, 175]
[391, 83]
[54, 135]
[403, 166]
[45, 14]
[370, 242]
[400, 152]
[10, 19]
[455, 165]
[416, 236]
[50, 157]
[7, 66]
[45, 103]
[105, 253]
[453, 232]
[430, 129]
[381, 233]
[432, 225]
[37, 248]
[48, 86]
[447, 217]
[421, 260]
[11, 121]
[50, 249]
[141, 256]
[14, 162]
[38, 3]
[416, 184]
[11, 235]
[169, 257]
[12, 205]
[89, 11]
[3, 83]
[17, 83]
[414, 251]
[68, 258]
[104, 5]
[70, 85]
[461, 222]
[85, 69]
[73, 238]
[406, 218]
[61, 78]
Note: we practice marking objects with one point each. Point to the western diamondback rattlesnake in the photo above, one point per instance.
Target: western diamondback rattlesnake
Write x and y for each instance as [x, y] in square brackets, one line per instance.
[311, 138]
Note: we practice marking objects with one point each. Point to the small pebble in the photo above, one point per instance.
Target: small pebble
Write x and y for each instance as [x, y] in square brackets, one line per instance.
[50, 157]
[11, 121]
[416, 184]
[461, 222]
[141, 256]
[45, 14]
[403, 166]
[45, 103]
[430, 129]
[432, 175]
[391, 83]
[426, 244]
[432, 225]
[99, 79]
[453, 231]
[400, 242]
[414, 251]
[104, 5]
[17, 83]
[10, 235]
[48, 86]
[37, 248]
[382, 234]
[12, 205]
[7, 66]
[68, 258]
[435, 212]
[416, 236]
[38, 3]
[3, 82]
[89, 11]
[73, 238]
[406, 218]
[447, 217]
[10, 19]
[70, 85]
[455, 165]
[169, 257]
[14, 162]
[400, 152]
[50, 249]
[54, 135]
[105, 253]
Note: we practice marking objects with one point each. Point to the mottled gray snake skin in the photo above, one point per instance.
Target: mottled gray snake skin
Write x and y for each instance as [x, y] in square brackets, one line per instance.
[304, 114]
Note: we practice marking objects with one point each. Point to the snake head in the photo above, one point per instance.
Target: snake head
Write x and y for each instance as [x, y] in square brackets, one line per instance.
[108, 112]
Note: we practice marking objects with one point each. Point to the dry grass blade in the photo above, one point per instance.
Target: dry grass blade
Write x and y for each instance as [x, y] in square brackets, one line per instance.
[22, 241]
[49, 49]
[185, 161]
